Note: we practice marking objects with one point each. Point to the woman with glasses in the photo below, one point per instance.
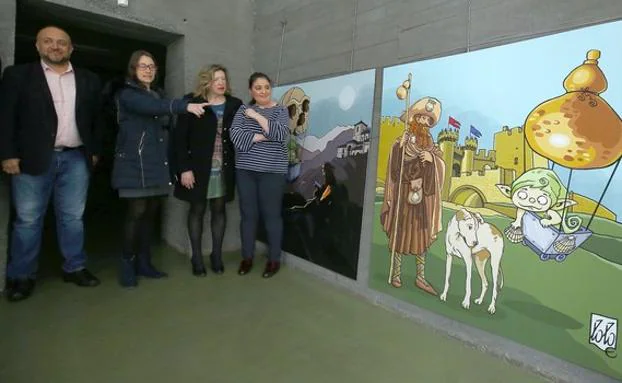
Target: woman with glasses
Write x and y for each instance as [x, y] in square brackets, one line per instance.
[140, 170]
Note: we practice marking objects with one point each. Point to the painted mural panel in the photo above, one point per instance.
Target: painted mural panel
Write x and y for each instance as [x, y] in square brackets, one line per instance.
[498, 194]
[330, 125]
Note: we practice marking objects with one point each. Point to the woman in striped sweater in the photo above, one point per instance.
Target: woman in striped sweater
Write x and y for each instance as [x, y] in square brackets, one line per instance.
[259, 133]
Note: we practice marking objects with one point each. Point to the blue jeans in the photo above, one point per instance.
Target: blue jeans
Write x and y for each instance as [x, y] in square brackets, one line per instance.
[261, 193]
[67, 179]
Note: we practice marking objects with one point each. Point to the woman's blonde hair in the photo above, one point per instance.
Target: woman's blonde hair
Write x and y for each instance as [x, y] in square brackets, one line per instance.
[206, 76]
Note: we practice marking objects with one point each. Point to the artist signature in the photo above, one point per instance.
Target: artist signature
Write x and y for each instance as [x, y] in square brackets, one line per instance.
[604, 334]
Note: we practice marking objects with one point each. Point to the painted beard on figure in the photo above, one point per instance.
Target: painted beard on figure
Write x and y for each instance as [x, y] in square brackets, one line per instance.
[421, 133]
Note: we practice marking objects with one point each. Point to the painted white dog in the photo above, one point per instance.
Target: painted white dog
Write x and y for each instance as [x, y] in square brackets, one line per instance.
[469, 237]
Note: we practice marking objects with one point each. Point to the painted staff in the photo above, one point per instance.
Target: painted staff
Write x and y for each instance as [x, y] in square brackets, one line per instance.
[402, 92]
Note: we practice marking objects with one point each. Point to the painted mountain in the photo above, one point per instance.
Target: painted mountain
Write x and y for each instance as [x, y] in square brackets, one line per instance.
[349, 170]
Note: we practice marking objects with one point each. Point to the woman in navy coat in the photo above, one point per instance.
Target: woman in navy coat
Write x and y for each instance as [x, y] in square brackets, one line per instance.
[140, 170]
[205, 160]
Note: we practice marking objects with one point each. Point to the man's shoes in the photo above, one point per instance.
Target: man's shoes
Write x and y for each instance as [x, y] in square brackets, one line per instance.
[245, 266]
[82, 278]
[19, 289]
[272, 267]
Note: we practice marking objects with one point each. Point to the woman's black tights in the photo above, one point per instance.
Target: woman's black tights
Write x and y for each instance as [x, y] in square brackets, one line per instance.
[139, 222]
[218, 224]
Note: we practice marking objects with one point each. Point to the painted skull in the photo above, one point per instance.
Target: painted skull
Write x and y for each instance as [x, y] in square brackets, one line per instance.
[297, 103]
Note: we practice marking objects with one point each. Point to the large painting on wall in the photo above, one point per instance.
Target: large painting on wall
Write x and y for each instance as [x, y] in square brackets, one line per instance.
[498, 194]
[330, 125]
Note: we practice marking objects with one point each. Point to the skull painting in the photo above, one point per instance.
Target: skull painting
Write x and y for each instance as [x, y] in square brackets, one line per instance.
[297, 103]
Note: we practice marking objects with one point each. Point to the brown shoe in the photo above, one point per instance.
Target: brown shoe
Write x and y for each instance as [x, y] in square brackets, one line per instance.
[245, 266]
[272, 267]
[425, 286]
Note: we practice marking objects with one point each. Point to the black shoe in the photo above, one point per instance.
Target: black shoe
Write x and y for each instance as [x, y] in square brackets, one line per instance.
[82, 278]
[272, 267]
[19, 289]
[245, 266]
[216, 264]
[198, 267]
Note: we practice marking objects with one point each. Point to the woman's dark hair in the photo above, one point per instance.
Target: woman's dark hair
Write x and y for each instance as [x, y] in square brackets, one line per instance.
[133, 64]
[254, 77]
[329, 174]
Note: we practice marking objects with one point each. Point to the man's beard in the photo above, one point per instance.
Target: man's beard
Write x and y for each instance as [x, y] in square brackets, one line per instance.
[422, 134]
[62, 60]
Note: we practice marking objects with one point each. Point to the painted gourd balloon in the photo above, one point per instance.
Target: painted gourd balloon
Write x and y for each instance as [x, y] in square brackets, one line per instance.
[578, 130]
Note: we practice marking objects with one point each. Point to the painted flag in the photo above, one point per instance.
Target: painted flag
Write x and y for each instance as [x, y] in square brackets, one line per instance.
[475, 132]
[453, 122]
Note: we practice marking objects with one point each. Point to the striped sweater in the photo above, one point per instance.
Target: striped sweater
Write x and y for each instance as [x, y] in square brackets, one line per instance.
[269, 156]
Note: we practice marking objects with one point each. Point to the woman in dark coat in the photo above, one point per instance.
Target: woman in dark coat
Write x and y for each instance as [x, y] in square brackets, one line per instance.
[205, 159]
[140, 169]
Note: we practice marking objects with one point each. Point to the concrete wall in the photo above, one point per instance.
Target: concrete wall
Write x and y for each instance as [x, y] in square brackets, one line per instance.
[323, 38]
[7, 41]
[7, 32]
[200, 26]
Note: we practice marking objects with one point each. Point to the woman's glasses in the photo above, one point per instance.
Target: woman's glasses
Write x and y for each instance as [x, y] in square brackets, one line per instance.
[151, 67]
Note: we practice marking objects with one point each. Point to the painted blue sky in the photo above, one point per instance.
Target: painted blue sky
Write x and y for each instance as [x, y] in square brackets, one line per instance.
[342, 100]
[499, 86]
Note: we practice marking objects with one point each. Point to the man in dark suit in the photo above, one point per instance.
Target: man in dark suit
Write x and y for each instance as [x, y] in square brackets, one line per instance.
[50, 127]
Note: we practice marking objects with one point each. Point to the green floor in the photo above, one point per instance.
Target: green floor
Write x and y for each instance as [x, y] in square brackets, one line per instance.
[227, 328]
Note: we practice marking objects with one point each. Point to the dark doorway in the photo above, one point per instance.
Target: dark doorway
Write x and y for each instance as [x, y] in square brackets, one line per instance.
[456, 170]
[104, 48]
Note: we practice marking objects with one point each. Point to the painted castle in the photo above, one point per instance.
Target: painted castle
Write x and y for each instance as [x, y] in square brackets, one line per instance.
[472, 174]
[359, 144]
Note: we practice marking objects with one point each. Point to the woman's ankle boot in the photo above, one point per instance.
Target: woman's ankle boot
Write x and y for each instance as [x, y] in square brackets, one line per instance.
[146, 269]
[198, 267]
[127, 271]
[216, 263]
